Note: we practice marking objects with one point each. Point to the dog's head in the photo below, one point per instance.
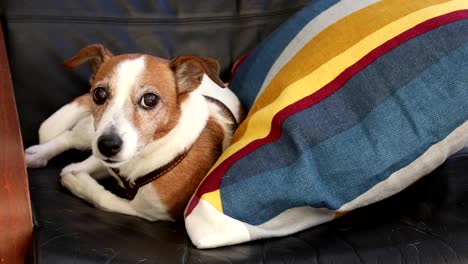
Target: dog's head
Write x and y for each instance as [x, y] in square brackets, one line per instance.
[136, 98]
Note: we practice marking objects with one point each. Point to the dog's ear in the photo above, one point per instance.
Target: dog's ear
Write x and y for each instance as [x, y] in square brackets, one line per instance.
[96, 54]
[189, 71]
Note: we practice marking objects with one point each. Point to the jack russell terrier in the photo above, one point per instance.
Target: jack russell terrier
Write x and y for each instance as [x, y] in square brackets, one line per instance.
[157, 126]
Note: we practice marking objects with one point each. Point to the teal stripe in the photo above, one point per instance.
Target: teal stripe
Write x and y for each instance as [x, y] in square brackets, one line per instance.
[336, 171]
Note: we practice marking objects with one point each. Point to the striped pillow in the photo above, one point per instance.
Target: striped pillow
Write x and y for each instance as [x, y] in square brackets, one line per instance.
[350, 102]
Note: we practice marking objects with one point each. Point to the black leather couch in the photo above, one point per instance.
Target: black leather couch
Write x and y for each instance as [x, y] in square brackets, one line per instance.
[426, 223]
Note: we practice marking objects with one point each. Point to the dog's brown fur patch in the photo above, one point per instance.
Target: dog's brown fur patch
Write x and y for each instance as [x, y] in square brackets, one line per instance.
[177, 186]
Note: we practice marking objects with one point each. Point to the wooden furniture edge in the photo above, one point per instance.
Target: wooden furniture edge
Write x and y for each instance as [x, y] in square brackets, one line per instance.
[15, 207]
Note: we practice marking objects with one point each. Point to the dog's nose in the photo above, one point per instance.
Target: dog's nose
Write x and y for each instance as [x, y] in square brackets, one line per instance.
[109, 145]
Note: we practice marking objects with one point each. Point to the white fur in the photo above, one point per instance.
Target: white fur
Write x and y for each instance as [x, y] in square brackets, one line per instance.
[85, 187]
[79, 137]
[149, 205]
[91, 165]
[146, 203]
[192, 121]
[225, 95]
[229, 99]
[124, 80]
[77, 178]
[217, 113]
[62, 120]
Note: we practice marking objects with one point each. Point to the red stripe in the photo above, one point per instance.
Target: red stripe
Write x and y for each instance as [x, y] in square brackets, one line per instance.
[237, 65]
[213, 180]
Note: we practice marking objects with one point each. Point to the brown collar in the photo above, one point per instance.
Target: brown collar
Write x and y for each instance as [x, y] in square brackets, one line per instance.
[131, 187]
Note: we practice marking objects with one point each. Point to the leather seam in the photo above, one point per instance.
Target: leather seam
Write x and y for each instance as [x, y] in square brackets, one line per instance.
[168, 21]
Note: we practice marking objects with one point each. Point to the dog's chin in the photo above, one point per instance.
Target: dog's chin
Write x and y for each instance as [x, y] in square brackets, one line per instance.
[110, 162]
[113, 163]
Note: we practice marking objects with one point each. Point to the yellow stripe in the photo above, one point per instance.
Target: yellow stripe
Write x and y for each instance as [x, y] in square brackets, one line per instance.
[214, 198]
[332, 41]
[259, 125]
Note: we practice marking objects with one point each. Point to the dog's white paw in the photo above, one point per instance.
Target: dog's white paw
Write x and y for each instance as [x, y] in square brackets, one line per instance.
[35, 157]
[73, 183]
[82, 185]
[72, 168]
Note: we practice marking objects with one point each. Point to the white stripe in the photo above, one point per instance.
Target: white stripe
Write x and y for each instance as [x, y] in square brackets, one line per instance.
[404, 177]
[291, 221]
[209, 228]
[311, 30]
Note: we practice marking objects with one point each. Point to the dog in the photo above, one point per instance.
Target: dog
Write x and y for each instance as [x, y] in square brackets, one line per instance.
[156, 126]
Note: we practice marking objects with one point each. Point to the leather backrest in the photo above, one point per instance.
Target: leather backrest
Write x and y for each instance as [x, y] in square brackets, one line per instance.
[42, 34]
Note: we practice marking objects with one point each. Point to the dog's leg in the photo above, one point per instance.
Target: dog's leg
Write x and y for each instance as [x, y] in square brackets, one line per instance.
[91, 165]
[64, 119]
[85, 187]
[37, 156]
[78, 138]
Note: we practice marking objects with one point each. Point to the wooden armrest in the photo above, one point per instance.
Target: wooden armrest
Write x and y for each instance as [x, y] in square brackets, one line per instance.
[15, 208]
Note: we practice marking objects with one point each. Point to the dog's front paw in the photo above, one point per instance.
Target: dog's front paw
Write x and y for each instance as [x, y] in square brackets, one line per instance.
[73, 183]
[73, 168]
[35, 157]
[82, 185]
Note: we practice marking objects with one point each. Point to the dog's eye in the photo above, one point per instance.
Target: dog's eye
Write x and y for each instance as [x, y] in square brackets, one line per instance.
[149, 100]
[99, 95]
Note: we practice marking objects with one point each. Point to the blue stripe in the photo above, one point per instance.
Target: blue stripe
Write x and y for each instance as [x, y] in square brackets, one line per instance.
[400, 129]
[251, 73]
